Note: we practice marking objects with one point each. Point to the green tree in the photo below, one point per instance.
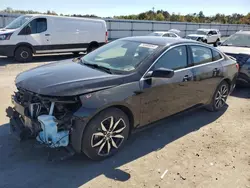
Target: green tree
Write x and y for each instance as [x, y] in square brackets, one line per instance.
[159, 17]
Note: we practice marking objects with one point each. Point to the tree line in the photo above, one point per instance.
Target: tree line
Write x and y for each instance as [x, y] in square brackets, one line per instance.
[159, 15]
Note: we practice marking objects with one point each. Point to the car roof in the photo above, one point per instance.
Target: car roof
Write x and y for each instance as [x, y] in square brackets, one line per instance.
[162, 41]
[162, 32]
[208, 29]
[244, 32]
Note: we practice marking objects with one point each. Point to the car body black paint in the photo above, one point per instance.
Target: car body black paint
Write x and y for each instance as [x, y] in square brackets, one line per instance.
[65, 78]
[148, 99]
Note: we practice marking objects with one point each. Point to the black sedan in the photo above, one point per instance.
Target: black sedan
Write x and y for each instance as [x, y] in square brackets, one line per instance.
[94, 104]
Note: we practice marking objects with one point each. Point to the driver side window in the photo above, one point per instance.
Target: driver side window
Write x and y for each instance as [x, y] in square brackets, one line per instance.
[38, 25]
[175, 59]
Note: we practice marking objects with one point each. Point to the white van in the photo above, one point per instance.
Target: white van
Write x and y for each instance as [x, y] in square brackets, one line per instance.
[40, 34]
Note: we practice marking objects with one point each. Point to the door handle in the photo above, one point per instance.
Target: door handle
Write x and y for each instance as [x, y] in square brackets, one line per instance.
[47, 34]
[216, 71]
[187, 78]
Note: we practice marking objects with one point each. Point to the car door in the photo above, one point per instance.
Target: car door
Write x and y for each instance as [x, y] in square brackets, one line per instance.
[210, 37]
[36, 33]
[162, 97]
[207, 70]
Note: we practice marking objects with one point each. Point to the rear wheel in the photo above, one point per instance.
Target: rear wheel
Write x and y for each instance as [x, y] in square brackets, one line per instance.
[219, 97]
[92, 47]
[216, 43]
[105, 134]
[23, 54]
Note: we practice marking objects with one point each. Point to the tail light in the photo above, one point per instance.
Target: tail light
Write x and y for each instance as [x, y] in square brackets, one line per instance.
[237, 66]
[106, 37]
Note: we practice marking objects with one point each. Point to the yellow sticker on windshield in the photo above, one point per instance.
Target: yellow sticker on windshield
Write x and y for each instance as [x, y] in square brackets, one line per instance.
[151, 46]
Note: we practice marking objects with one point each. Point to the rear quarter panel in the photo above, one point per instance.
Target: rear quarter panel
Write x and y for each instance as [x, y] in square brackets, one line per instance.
[229, 68]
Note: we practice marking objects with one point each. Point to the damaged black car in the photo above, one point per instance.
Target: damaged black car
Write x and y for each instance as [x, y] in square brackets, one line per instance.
[93, 104]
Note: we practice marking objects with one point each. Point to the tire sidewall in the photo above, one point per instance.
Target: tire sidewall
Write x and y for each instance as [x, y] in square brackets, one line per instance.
[21, 51]
[214, 96]
[92, 128]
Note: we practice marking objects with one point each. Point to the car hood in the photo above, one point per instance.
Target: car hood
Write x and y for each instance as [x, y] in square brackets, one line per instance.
[234, 49]
[65, 78]
[196, 35]
[5, 31]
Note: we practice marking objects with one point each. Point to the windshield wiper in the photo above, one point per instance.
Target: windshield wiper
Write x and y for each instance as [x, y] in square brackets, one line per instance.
[96, 66]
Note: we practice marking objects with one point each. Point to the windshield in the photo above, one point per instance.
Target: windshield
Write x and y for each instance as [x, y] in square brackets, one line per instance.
[241, 40]
[120, 55]
[199, 32]
[18, 22]
[154, 34]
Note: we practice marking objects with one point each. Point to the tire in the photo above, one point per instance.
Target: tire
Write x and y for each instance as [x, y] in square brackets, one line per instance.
[23, 54]
[92, 47]
[216, 43]
[199, 40]
[99, 141]
[219, 100]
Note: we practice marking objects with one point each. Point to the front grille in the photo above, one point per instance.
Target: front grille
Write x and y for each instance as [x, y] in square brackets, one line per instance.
[240, 58]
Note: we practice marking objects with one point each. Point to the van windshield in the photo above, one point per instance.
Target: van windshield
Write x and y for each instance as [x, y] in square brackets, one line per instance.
[18, 22]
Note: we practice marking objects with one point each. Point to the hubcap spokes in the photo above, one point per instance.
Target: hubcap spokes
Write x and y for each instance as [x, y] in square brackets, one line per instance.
[221, 96]
[109, 136]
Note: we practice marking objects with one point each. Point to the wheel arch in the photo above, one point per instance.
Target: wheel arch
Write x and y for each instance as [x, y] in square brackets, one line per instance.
[227, 80]
[26, 45]
[81, 123]
[93, 43]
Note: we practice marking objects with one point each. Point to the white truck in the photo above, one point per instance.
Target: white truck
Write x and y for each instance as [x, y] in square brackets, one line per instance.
[41, 34]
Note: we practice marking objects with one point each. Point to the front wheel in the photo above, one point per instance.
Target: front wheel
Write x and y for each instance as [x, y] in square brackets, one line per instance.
[216, 43]
[23, 54]
[219, 97]
[105, 134]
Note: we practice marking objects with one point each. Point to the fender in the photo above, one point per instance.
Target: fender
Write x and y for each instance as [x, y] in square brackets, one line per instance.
[25, 44]
[122, 97]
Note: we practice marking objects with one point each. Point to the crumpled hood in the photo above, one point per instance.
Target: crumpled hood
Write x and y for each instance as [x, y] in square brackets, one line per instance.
[196, 35]
[4, 31]
[65, 78]
[234, 50]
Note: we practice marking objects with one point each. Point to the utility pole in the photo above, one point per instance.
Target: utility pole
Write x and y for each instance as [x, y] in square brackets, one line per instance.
[153, 9]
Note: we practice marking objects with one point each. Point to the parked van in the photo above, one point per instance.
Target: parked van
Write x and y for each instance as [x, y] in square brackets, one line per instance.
[41, 34]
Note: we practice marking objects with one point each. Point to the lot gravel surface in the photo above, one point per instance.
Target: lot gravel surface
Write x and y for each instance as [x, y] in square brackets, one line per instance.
[195, 149]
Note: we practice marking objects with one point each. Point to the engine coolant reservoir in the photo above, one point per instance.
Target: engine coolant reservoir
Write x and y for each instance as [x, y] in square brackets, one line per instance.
[49, 134]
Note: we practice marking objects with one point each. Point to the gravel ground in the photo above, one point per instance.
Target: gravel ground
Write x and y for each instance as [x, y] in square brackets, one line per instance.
[197, 149]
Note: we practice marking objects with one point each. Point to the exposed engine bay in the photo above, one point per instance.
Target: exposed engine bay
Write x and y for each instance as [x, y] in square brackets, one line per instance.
[48, 119]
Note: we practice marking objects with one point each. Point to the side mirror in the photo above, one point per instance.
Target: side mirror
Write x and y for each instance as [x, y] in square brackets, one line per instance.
[160, 73]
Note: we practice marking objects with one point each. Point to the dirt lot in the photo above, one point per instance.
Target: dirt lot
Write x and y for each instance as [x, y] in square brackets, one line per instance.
[199, 149]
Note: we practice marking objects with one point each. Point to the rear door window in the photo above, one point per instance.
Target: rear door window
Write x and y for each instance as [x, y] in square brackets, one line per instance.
[201, 55]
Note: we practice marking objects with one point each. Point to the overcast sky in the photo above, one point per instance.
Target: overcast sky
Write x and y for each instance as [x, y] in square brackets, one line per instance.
[107, 8]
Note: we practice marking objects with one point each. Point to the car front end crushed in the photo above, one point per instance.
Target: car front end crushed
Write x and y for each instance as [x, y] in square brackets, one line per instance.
[243, 61]
[49, 120]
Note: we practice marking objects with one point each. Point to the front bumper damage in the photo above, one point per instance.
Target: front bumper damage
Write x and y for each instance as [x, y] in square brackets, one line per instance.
[30, 122]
